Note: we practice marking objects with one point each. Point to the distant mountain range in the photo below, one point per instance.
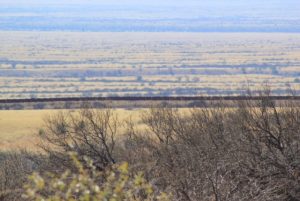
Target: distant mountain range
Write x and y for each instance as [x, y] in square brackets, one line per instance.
[151, 16]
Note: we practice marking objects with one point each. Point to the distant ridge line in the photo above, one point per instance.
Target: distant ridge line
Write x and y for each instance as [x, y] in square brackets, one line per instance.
[154, 98]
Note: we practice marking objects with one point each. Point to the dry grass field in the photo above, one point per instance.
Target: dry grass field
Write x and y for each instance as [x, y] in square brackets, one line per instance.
[20, 128]
[60, 64]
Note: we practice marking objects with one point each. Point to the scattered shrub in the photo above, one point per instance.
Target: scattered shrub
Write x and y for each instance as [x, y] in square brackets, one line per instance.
[115, 183]
[249, 152]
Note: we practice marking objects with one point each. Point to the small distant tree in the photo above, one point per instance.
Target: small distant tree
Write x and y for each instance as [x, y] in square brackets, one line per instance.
[39, 106]
[99, 105]
[139, 78]
[297, 80]
[274, 71]
[82, 79]
[68, 105]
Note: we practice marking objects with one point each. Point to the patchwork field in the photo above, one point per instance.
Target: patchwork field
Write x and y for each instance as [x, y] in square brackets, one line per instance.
[69, 64]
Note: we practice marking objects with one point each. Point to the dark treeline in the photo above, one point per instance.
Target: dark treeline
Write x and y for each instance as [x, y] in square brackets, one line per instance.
[148, 98]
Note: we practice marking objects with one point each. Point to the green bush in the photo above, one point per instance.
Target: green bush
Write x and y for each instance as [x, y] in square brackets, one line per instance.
[88, 184]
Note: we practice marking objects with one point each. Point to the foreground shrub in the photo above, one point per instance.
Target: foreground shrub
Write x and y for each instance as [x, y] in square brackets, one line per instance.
[249, 152]
[88, 184]
[88, 132]
[14, 170]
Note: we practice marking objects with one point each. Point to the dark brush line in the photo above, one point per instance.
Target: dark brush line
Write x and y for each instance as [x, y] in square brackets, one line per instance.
[156, 98]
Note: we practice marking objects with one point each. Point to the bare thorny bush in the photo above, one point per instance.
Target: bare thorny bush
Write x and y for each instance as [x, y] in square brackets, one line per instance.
[14, 170]
[250, 152]
[246, 152]
[90, 133]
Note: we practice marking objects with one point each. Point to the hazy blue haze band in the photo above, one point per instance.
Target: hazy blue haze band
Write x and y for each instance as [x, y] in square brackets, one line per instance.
[151, 16]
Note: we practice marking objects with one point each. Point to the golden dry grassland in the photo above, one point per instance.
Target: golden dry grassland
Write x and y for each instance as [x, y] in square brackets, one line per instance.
[20, 128]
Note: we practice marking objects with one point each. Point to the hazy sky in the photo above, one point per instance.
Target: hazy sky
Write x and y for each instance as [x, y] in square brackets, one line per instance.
[185, 15]
[287, 7]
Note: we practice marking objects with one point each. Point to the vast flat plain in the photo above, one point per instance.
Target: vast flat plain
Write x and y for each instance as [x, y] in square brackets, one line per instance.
[60, 64]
